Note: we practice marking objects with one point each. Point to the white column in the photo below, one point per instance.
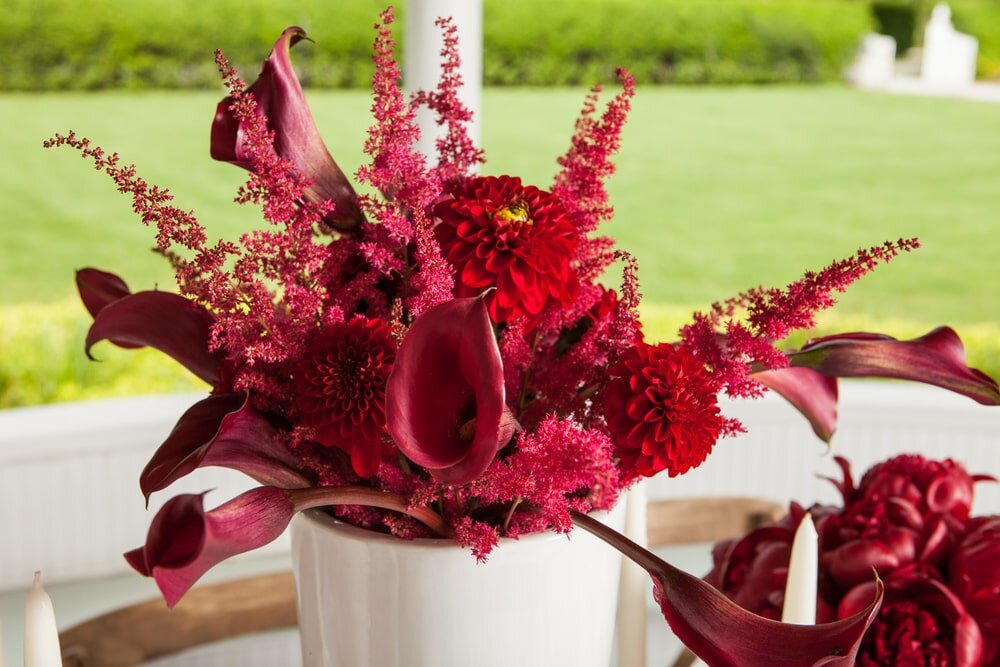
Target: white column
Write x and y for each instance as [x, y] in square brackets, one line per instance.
[422, 59]
[635, 585]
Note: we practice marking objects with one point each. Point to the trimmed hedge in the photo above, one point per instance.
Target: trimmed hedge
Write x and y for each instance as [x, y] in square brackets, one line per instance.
[54, 45]
[981, 18]
[749, 41]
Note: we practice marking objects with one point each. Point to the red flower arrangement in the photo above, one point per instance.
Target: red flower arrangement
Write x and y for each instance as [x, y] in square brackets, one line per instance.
[908, 520]
[438, 358]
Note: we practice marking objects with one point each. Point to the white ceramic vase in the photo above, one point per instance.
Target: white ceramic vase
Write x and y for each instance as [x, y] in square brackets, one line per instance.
[371, 600]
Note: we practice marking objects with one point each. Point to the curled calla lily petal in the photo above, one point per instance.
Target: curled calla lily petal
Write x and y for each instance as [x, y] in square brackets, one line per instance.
[185, 541]
[811, 393]
[936, 358]
[280, 98]
[168, 322]
[445, 397]
[99, 288]
[724, 634]
[223, 431]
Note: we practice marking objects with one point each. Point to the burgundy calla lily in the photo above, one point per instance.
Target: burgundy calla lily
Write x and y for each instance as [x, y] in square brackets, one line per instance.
[724, 634]
[811, 393]
[280, 98]
[168, 322]
[99, 288]
[445, 397]
[936, 358]
[185, 541]
[223, 431]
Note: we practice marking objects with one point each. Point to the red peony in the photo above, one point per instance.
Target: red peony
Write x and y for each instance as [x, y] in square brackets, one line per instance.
[340, 389]
[662, 410]
[921, 623]
[905, 510]
[927, 485]
[974, 574]
[517, 238]
[902, 520]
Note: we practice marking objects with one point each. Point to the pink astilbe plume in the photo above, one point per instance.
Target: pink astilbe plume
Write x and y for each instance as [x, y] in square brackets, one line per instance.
[396, 169]
[204, 277]
[433, 281]
[478, 536]
[626, 328]
[557, 468]
[587, 164]
[286, 255]
[401, 173]
[581, 183]
[770, 315]
[457, 154]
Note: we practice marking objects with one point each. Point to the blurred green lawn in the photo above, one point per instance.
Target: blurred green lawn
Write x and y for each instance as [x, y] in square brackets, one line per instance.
[717, 190]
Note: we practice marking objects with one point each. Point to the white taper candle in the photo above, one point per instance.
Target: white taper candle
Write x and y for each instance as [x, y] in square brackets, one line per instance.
[803, 574]
[41, 637]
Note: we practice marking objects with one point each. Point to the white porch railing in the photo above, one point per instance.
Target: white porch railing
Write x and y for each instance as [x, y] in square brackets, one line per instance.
[70, 502]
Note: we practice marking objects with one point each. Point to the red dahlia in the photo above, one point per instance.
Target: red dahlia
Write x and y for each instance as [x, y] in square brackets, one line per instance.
[661, 409]
[517, 238]
[340, 389]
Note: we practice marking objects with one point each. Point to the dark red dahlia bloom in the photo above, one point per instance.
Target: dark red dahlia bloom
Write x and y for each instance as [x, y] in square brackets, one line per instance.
[974, 574]
[662, 410]
[517, 238]
[340, 389]
[921, 623]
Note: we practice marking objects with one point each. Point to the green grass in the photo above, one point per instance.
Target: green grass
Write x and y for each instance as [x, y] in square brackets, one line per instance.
[717, 190]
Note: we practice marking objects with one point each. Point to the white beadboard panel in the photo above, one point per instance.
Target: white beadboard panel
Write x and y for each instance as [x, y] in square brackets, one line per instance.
[69, 495]
[780, 458]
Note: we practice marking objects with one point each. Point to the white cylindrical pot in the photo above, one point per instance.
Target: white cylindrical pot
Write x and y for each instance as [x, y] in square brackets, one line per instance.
[368, 599]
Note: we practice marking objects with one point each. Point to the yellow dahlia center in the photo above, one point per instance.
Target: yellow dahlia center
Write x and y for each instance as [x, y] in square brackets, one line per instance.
[515, 214]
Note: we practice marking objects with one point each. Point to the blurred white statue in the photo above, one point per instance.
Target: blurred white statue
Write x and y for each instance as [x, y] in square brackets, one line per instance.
[949, 57]
[874, 63]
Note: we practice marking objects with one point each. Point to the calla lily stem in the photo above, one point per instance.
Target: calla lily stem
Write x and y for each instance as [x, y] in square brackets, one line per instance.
[322, 496]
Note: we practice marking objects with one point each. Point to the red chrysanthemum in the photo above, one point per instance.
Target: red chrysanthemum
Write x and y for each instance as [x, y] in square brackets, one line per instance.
[662, 410]
[340, 389]
[517, 238]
